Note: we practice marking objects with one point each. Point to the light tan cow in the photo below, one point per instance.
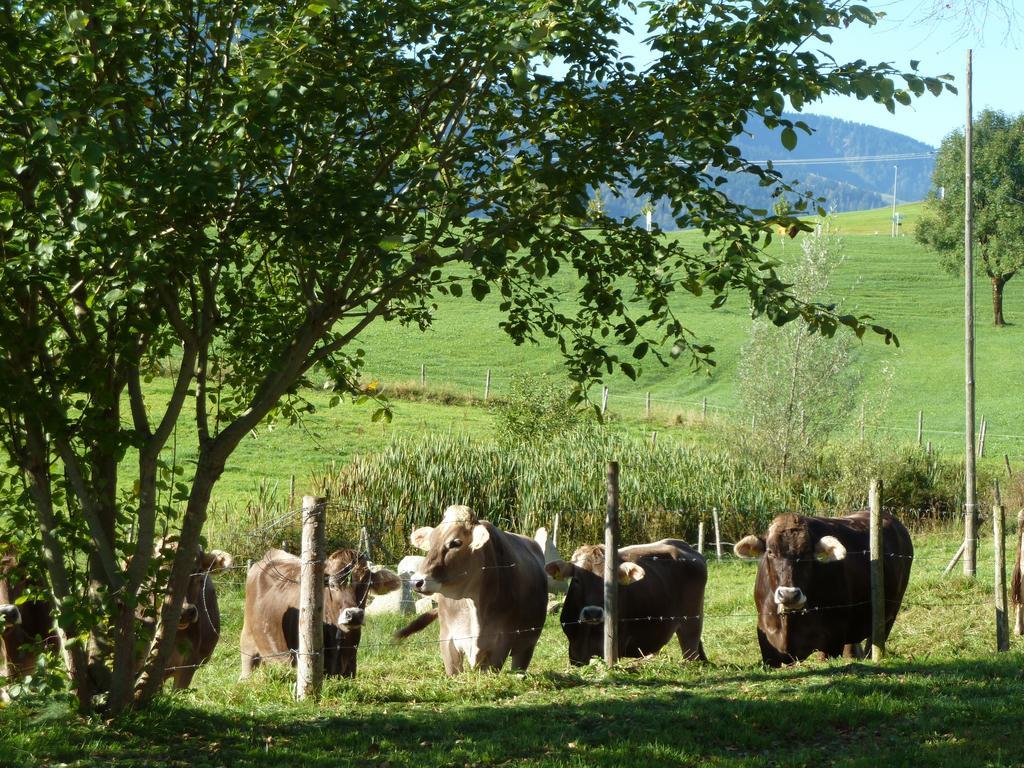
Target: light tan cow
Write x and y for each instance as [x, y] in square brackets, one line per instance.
[491, 592]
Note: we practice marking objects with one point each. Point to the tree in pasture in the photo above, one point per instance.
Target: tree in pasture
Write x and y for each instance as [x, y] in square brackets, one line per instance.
[998, 203]
[795, 382]
[234, 191]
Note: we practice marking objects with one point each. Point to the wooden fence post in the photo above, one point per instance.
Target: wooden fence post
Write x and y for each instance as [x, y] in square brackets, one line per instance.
[291, 495]
[654, 439]
[604, 400]
[920, 426]
[718, 534]
[647, 406]
[704, 408]
[877, 572]
[423, 375]
[611, 568]
[700, 536]
[998, 534]
[1009, 471]
[928, 450]
[487, 386]
[310, 662]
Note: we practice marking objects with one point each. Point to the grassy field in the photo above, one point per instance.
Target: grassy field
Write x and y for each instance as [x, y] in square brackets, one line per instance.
[942, 698]
[894, 280]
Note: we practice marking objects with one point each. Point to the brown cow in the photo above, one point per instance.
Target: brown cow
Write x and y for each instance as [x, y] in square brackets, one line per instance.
[813, 587]
[662, 595]
[1017, 581]
[26, 627]
[270, 628]
[491, 591]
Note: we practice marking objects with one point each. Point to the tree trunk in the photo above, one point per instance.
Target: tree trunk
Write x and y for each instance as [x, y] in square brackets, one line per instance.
[997, 299]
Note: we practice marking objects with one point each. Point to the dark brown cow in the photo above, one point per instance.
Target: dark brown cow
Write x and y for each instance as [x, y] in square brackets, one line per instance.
[491, 591]
[813, 587]
[26, 627]
[270, 629]
[662, 595]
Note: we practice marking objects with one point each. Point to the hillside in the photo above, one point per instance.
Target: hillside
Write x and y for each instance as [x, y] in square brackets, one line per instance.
[821, 163]
[894, 280]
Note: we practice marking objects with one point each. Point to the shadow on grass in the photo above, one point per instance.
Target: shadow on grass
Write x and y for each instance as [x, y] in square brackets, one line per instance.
[949, 713]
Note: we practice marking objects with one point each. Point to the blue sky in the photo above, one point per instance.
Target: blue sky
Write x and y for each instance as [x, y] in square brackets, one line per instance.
[911, 29]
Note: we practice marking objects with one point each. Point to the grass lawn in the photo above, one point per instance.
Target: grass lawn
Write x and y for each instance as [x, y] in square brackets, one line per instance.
[943, 698]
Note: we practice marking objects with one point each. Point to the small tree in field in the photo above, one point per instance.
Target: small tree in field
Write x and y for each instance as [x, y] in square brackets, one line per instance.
[797, 383]
[998, 207]
[245, 186]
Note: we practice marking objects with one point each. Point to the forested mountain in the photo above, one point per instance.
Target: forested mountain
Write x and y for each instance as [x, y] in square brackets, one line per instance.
[833, 168]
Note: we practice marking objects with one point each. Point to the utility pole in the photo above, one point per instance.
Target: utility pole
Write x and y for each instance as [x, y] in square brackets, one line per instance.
[970, 495]
[895, 175]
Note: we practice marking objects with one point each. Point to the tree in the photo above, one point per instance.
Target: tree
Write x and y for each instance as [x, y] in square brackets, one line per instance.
[797, 383]
[998, 207]
[243, 187]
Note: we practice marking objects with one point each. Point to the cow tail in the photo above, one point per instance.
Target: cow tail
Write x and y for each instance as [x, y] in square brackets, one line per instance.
[1016, 585]
[422, 621]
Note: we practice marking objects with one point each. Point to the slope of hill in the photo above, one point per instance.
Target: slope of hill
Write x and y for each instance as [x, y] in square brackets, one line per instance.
[893, 279]
[831, 162]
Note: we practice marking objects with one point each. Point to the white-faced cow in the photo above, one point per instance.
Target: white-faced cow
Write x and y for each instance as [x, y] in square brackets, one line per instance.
[661, 594]
[270, 627]
[491, 592]
[813, 587]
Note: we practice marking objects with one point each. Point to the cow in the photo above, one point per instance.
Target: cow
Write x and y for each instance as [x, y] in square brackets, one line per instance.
[26, 625]
[1017, 581]
[813, 586]
[270, 626]
[491, 592]
[199, 624]
[661, 594]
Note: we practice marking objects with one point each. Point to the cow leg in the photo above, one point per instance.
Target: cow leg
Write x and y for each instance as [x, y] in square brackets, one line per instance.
[769, 655]
[522, 656]
[452, 658]
[688, 635]
[853, 651]
[183, 677]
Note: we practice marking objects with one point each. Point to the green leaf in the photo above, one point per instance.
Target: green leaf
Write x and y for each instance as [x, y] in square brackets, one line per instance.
[789, 138]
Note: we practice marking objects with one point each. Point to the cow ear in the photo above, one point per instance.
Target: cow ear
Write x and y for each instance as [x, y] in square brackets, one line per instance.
[749, 547]
[383, 581]
[420, 538]
[480, 536]
[630, 572]
[559, 569]
[829, 549]
[216, 560]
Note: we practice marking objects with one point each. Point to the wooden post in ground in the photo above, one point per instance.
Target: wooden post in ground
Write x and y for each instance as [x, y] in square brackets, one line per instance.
[604, 400]
[718, 534]
[928, 450]
[700, 536]
[611, 568]
[1006, 458]
[423, 375]
[487, 386]
[647, 406]
[654, 439]
[999, 536]
[291, 495]
[920, 426]
[970, 479]
[877, 572]
[704, 408]
[309, 665]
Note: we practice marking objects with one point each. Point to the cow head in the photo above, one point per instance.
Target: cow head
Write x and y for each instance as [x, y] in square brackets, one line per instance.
[583, 610]
[455, 555]
[790, 555]
[349, 580]
[199, 593]
[9, 616]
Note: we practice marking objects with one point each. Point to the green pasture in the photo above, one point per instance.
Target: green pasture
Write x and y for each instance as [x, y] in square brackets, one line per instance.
[941, 698]
[895, 281]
